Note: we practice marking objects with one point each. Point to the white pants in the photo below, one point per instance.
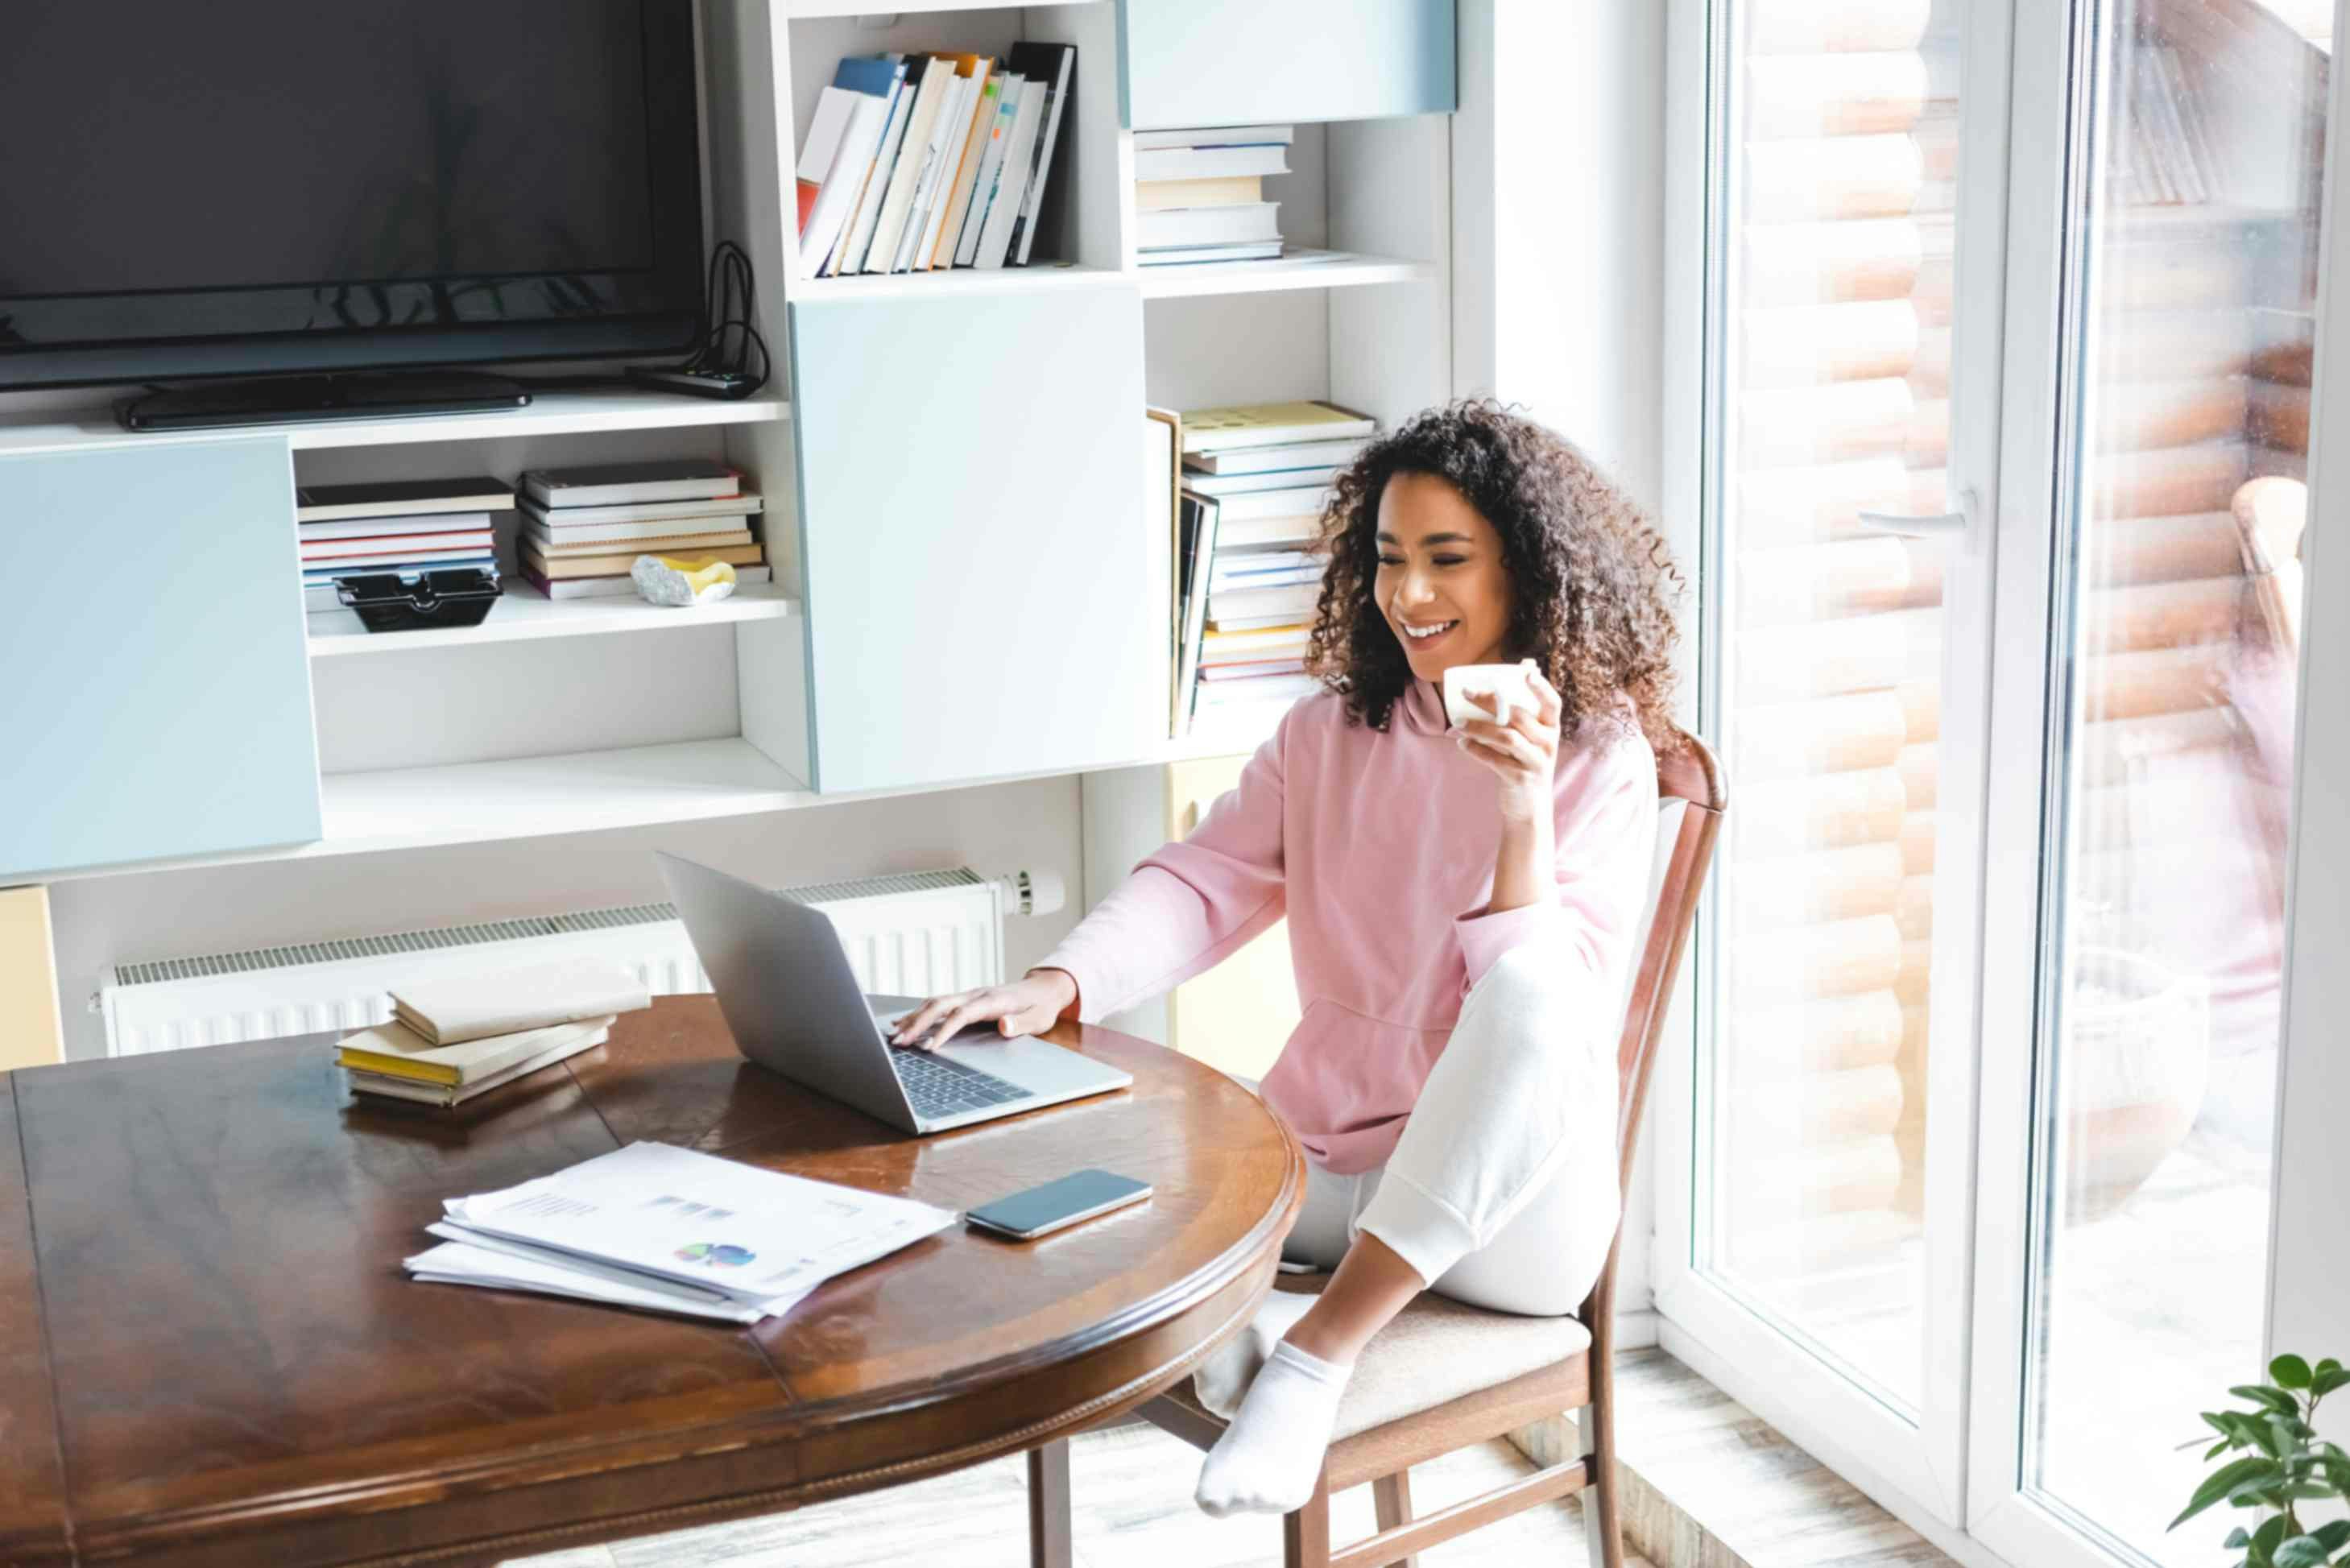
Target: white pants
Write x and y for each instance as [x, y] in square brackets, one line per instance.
[1501, 1192]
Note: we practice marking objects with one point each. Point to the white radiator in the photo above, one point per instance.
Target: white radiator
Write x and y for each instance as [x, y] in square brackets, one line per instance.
[919, 934]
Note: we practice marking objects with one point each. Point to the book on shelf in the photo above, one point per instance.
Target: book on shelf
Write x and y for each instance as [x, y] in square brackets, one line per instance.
[868, 86]
[1162, 485]
[1251, 623]
[1271, 424]
[613, 587]
[1331, 454]
[848, 254]
[398, 524]
[1289, 501]
[1295, 600]
[399, 498]
[559, 549]
[632, 533]
[347, 566]
[1019, 154]
[1286, 531]
[1230, 573]
[619, 483]
[1151, 195]
[386, 1086]
[1210, 162]
[1271, 481]
[1052, 63]
[397, 545]
[1248, 668]
[1185, 256]
[949, 230]
[558, 567]
[1177, 228]
[834, 107]
[914, 151]
[1215, 136]
[393, 1050]
[735, 505]
[991, 170]
[1231, 647]
[1191, 561]
[944, 158]
[1283, 688]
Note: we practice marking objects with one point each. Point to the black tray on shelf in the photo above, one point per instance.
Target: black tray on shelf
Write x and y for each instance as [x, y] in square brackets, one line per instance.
[423, 601]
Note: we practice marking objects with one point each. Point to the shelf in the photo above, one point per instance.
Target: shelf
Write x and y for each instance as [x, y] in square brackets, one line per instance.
[549, 413]
[523, 614]
[952, 282]
[1299, 269]
[585, 792]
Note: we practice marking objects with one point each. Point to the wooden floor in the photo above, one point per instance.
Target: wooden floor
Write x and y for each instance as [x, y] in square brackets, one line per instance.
[1134, 1510]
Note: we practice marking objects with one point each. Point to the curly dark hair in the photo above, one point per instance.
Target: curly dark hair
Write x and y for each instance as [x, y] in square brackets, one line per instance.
[1592, 584]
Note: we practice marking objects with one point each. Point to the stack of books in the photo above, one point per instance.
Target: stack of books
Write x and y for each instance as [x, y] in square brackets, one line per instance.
[407, 527]
[453, 1037]
[922, 162]
[663, 1229]
[1256, 481]
[1199, 195]
[583, 529]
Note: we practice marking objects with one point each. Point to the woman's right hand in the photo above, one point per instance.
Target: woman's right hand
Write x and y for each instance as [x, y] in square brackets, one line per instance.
[1029, 1005]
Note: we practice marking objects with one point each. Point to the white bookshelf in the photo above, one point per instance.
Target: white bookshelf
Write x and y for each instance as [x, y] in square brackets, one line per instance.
[523, 613]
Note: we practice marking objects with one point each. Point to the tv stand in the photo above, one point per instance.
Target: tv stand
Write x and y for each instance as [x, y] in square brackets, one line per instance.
[278, 400]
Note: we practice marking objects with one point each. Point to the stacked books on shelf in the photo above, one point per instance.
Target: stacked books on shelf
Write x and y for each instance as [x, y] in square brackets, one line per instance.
[922, 162]
[405, 528]
[583, 529]
[663, 1229]
[1256, 481]
[452, 1037]
[1199, 195]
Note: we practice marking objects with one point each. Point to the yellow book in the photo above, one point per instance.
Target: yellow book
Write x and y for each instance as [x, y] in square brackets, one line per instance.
[396, 1051]
[1155, 195]
[1271, 424]
[562, 566]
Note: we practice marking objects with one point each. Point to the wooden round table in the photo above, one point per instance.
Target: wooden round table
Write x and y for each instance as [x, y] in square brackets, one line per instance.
[239, 1372]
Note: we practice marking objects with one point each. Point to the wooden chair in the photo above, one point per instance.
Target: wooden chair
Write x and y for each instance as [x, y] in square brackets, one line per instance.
[1443, 1376]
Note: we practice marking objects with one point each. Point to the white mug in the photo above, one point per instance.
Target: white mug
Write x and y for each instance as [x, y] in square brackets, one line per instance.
[1508, 682]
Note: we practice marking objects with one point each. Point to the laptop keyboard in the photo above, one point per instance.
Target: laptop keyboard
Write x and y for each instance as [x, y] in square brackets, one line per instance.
[940, 1087]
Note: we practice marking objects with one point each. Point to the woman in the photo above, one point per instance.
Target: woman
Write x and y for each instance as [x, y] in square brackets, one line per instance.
[1462, 903]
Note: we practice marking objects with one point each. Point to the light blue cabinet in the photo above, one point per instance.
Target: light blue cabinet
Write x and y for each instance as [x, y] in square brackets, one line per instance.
[1251, 62]
[977, 574]
[156, 700]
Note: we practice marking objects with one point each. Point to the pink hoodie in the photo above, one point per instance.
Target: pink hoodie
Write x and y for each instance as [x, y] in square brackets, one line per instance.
[1380, 849]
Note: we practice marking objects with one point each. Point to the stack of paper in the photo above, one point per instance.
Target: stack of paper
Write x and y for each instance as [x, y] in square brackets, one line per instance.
[668, 1230]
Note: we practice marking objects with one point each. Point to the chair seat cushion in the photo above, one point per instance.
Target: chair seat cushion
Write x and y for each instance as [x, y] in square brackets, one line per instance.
[1437, 1350]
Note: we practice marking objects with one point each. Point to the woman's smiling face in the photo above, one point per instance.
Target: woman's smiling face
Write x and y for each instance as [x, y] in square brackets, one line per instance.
[1441, 573]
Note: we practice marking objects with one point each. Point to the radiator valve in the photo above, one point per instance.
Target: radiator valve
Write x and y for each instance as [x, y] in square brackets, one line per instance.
[1032, 892]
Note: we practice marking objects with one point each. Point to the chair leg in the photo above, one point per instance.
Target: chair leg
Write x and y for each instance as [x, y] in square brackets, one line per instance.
[1048, 1506]
[1391, 1503]
[1305, 1534]
[1603, 1528]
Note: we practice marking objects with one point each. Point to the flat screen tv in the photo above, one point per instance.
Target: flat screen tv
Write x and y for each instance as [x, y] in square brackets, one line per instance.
[268, 187]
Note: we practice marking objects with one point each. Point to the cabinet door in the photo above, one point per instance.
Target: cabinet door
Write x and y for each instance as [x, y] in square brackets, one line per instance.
[157, 698]
[1246, 62]
[1238, 1015]
[976, 569]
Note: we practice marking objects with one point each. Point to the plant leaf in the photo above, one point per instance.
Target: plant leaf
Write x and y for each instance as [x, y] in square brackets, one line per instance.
[2300, 1552]
[2333, 1534]
[2289, 1372]
[2252, 1467]
[2276, 1399]
[2327, 1377]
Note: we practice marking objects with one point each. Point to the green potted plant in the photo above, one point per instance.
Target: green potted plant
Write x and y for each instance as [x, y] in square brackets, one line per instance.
[2286, 1464]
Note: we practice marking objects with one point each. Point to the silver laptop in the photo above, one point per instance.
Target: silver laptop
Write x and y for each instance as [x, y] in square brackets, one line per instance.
[793, 1004]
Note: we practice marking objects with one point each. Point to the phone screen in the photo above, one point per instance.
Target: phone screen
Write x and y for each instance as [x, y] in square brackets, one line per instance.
[1066, 1201]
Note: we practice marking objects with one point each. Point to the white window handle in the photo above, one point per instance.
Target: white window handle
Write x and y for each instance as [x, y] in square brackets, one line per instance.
[1933, 526]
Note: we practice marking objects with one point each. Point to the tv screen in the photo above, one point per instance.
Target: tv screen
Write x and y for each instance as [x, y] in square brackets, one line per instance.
[250, 186]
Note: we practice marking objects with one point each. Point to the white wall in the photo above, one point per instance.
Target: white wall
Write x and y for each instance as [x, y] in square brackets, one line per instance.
[104, 921]
[1558, 295]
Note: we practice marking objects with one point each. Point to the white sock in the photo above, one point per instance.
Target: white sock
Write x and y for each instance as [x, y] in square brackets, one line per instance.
[1223, 1379]
[1267, 1458]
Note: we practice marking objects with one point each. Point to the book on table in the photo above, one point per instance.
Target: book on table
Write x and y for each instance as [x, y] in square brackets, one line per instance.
[393, 1051]
[450, 1009]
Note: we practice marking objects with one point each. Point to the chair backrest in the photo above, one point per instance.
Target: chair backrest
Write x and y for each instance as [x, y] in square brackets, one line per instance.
[1691, 798]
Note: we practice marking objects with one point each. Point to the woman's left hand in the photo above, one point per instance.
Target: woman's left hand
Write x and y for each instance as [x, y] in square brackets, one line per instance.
[1521, 752]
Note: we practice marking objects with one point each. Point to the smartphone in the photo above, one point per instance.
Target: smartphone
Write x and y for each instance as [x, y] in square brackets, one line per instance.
[1041, 1211]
